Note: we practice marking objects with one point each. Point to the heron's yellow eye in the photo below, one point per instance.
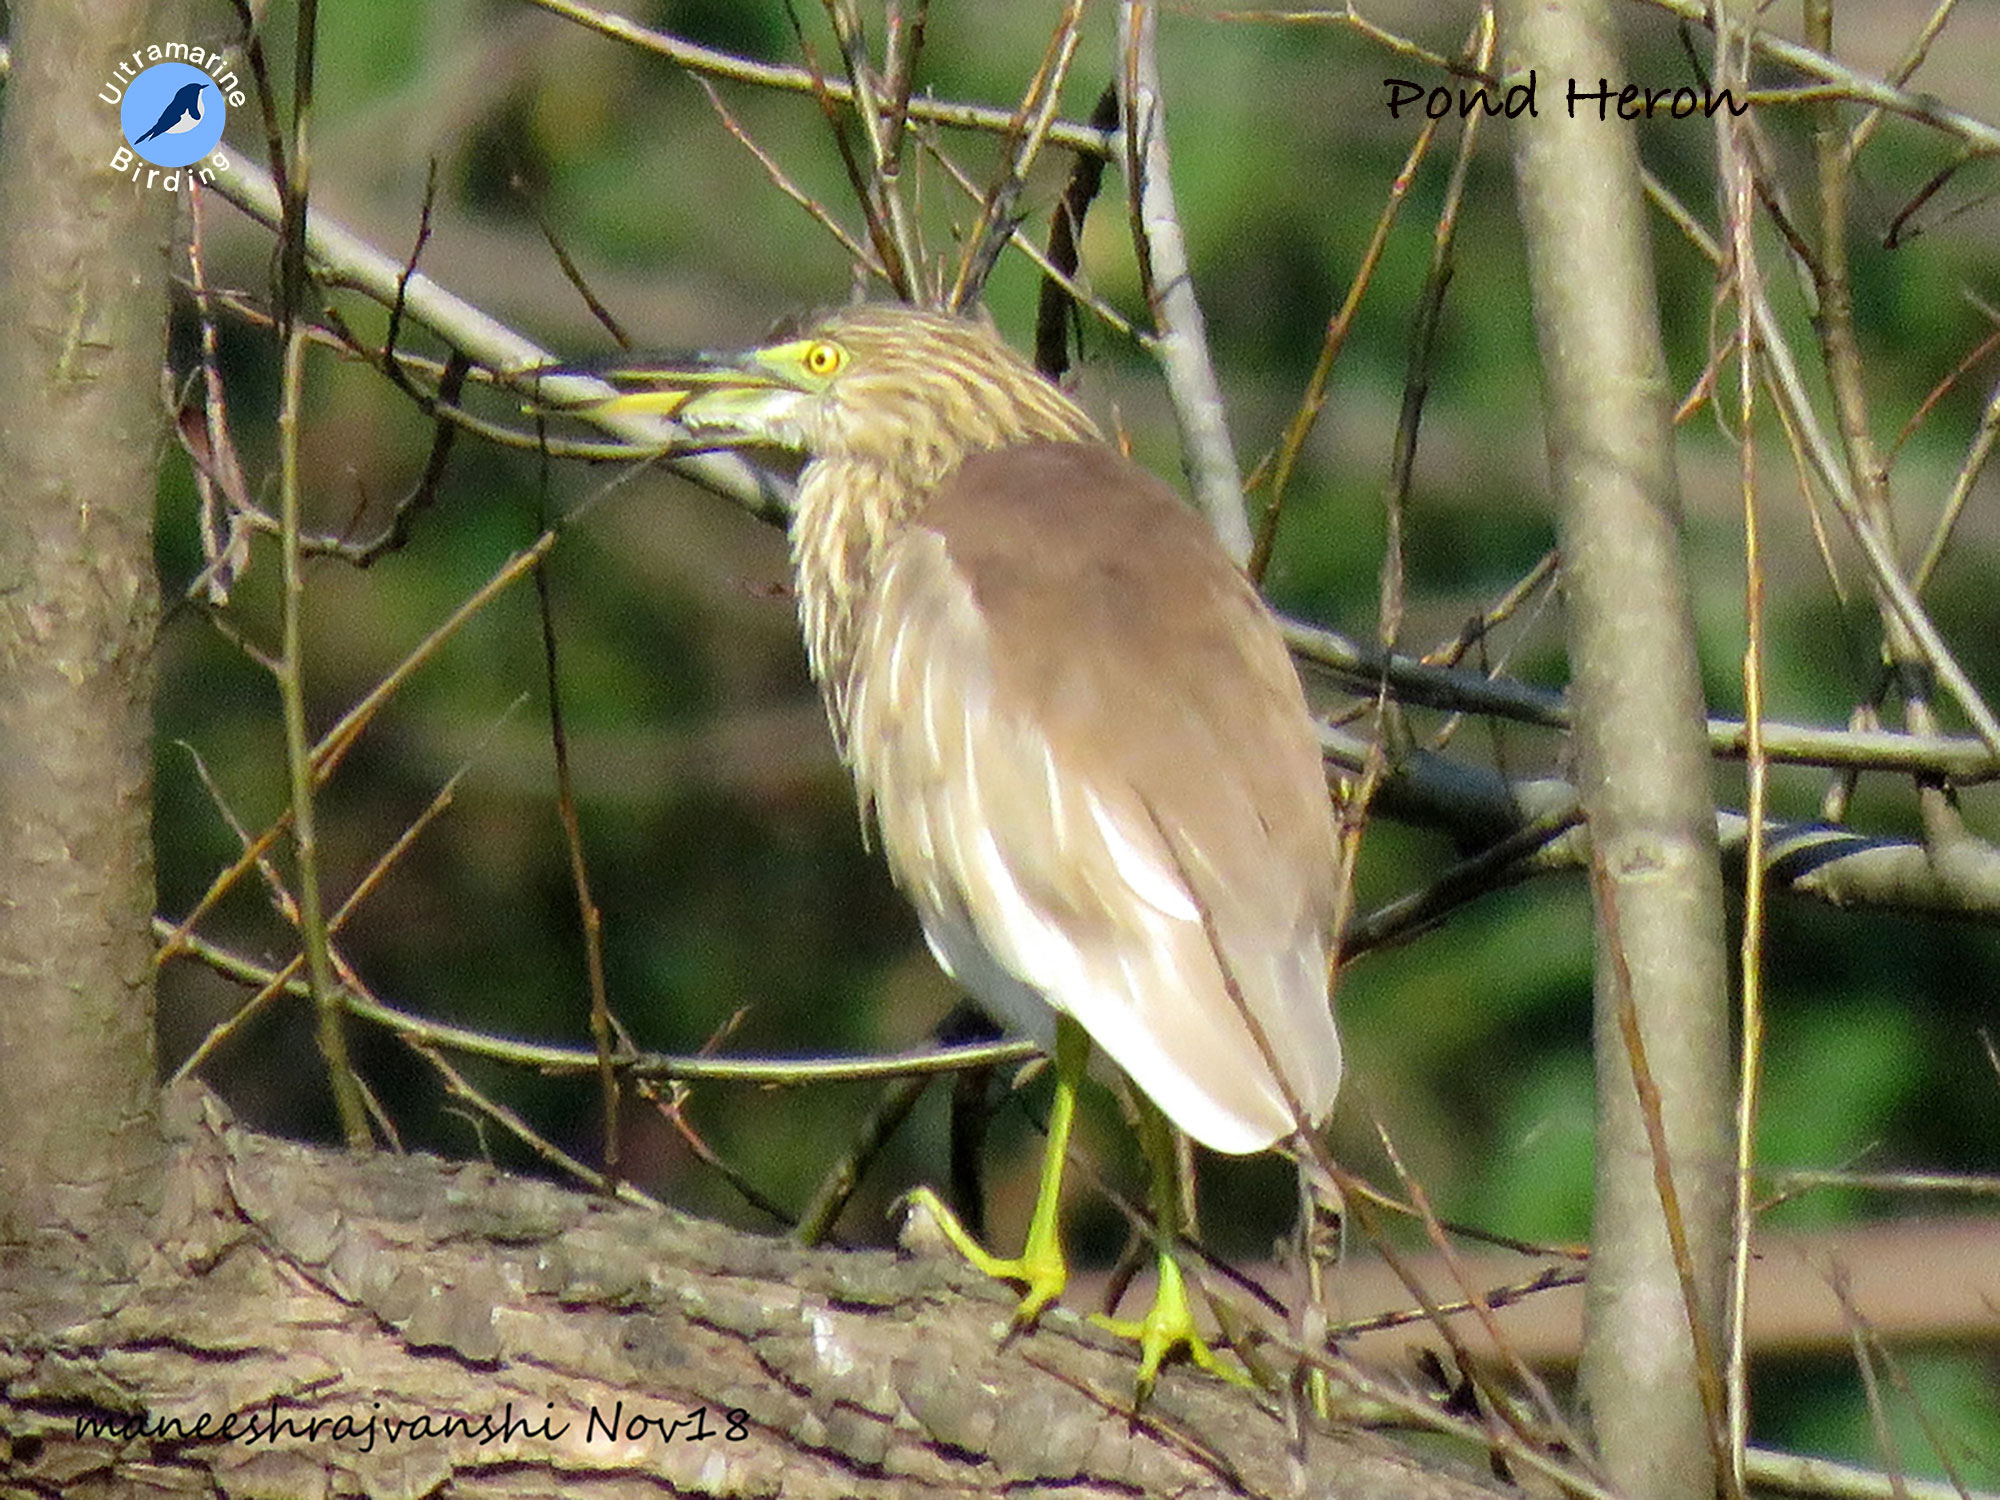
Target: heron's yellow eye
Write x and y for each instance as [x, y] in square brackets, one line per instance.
[823, 360]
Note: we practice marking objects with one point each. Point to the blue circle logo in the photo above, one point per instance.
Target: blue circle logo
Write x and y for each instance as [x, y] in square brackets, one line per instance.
[173, 114]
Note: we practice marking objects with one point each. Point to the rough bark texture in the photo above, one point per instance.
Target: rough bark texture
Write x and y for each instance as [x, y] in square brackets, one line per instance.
[1641, 759]
[378, 1290]
[83, 298]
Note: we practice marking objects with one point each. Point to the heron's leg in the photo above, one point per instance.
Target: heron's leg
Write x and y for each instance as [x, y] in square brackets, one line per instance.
[1040, 1267]
[1169, 1323]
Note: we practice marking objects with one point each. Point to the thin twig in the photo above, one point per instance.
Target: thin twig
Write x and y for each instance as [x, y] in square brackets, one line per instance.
[1535, 584]
[345, 259]
[604, 1031]
[333, 746]
[1841, 358]
[901, 48]
[272, 983]
[1313, 399]
[1423, 343]
[1883, 565]
[1504, 863]
[294, 285]
[1056, 313]
[866, 184]
[1848, 83]
[1548, 1279]
[1044, 263]
[1180, 339]
[1547, 1412]
[460, 1087]
[218, 475]
[878, 127]
[1864, 1364]
[839, 1182]
[857, 252]
[1739, 198]
[1905, 69]
[1360, 666]
[1971, 1184]
[1513, 1439]
[698, 59]
[762, 1072]
[565, 262]
[1974, 464]
[1791, 1474]
[997, 220]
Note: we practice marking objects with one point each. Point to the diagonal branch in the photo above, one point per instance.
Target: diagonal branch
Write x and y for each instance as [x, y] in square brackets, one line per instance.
[1180, 336]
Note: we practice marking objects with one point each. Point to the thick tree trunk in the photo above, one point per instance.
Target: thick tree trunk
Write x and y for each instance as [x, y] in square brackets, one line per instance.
[1661, 1018]
[83, 300]
[312, 1324]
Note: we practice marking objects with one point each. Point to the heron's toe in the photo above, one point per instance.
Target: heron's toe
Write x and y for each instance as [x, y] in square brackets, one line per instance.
[1169, 1328]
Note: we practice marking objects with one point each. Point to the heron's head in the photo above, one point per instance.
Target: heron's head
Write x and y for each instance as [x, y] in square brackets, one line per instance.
[898, 389]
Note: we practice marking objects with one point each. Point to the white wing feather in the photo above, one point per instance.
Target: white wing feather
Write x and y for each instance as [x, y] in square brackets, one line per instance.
[1037, 892]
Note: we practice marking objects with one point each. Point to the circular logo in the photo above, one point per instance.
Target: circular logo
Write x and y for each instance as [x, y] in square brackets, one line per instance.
[172, 114]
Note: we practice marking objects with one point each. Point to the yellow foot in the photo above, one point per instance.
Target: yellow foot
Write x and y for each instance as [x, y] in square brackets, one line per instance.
[1167, 1327]
[1039, 1267]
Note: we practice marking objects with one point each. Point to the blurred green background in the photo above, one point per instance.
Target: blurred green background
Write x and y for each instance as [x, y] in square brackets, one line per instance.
[723, 846]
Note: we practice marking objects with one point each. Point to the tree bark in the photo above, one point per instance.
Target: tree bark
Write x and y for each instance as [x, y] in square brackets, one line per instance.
[83, 289]
[1661, 988]
[415, 1328]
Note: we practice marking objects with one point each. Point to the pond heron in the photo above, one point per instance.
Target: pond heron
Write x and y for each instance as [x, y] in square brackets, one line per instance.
[1074, 724]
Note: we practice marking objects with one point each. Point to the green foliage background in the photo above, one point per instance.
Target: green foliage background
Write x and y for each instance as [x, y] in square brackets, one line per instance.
[722, 841]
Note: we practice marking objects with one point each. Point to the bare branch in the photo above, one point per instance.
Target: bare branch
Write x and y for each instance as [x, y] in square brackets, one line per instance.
[1845, 82]
[1661, 1024]
[1180, 336]
[700, 59]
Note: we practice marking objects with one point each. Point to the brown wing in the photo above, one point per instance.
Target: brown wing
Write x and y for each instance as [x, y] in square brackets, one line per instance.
[1094, 773]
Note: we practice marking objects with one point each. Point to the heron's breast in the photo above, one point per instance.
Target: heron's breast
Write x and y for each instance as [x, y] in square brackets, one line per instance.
[848, 514]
